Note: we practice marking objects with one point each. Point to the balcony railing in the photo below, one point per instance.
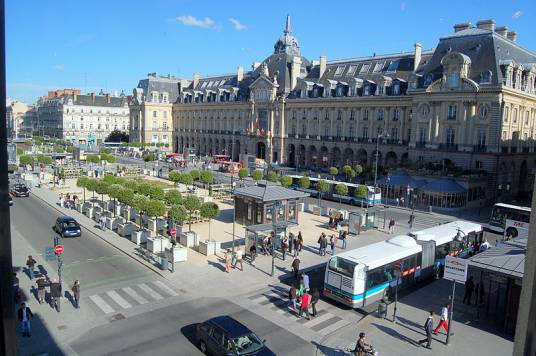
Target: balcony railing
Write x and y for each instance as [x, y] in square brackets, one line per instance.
[420, 144]
[448, 146]
[480, 148]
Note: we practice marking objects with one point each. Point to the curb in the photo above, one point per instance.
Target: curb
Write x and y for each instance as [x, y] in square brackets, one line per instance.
[108, 242]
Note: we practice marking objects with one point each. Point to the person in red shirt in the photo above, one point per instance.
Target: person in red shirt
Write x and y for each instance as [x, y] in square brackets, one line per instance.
[304, 307]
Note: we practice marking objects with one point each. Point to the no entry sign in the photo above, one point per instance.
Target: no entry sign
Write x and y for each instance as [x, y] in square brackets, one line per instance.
[173, 232]
[58, 249]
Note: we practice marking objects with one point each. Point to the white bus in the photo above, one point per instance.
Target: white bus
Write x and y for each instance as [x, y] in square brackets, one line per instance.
[513, 229]
[362, 276]
[502, 212]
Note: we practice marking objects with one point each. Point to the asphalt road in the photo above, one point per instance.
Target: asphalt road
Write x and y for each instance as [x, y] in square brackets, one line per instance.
[86, 258]
[171, 331]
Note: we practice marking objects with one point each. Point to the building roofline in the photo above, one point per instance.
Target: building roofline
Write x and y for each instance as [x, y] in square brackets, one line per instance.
[383, 56]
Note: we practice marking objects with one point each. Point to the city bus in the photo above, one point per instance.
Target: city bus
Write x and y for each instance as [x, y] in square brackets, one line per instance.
[503, 212]
[230, 167]
[218, 159]
[370, 200]
[362, 276]
[513, 229]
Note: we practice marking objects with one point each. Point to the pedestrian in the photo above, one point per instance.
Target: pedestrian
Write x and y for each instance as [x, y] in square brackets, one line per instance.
[391, 224]
[25, 314]
[315, 297]
[320, 244]
[102, 221]
[296, 246]
[305, 279]
[484, 246]
[469, 288]
[343, 239]
[293, 296]
[61, 200]
[402, 201]
[324, 244]
[296, 267]
[30, 264]
[253, 253]
[284, 247]
[300, 242]
[410, 221]
[443, 319]
[41, 285]
[397, 201]
[76, 293]
[238, 259]
[227, 258]
[428, 325]
[333, 243]
[304, 306]
[55, 295]
[265, 245]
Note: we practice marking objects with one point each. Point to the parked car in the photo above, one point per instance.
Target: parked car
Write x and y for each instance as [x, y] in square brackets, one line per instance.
[20, 190]
[226, 336]
[67, 226]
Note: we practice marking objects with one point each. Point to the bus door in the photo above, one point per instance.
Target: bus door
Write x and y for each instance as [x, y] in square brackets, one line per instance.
[428, 258]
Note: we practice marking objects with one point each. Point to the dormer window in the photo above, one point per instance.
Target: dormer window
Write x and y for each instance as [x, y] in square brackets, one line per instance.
[364, 68]
[428, 79]
[453, 80]
[154, 96]
[378, 67]
[351, 70]
[396, 89]
[366, 90]
[485, 77]
[483, 111]
[339, 70]
[381, 89]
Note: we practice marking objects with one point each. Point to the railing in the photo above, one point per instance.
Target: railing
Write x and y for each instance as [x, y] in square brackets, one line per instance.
[448, 146]
[420, 144]
[480, 148]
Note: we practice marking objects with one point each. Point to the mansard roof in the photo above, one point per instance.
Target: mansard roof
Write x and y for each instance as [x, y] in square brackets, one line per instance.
[96, 100]
[155, 82]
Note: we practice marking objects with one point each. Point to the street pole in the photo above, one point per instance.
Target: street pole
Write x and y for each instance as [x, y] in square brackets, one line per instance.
[451, 311]
[376, 169]
[274, 215]
[396, 299]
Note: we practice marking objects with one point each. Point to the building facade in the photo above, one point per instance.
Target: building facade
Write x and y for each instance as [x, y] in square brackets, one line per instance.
[81, 119]
[151, 119]
[15, 112]
[468, 104]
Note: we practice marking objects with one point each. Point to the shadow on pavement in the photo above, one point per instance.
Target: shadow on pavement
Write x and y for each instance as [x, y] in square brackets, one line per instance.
[189, 332]
[396, 334]
[329, 351]
[41, 342]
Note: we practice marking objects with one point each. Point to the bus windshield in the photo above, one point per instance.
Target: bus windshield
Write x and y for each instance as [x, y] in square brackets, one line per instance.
[500, 213]
[342, 266]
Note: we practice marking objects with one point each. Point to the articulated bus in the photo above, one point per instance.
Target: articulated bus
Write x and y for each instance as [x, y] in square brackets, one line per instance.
[362, 276]
[501, 213]
[370, 200]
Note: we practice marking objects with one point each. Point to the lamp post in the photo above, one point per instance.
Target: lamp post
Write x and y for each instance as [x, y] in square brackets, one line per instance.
[277, 206]
[459, 237]
[380, 135]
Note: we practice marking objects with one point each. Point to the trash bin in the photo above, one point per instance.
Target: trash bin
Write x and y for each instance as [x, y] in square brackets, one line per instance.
[382, 309]
[164, 263]
[429, 208]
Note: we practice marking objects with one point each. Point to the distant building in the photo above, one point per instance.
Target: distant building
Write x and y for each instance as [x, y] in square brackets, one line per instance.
[151, 119]
[15, 112]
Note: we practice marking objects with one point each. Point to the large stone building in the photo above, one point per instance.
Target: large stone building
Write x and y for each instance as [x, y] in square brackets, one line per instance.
[15, 112]
[81, 119]
[151, 119]
[469, 103]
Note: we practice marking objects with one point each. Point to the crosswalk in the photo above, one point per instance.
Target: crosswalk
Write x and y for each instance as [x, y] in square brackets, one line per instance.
[277, 301]
[127, 297]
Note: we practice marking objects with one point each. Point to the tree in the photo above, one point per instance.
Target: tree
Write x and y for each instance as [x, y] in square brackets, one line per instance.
[361, 192]
[286, 181]
[358, 169]
[69, 149]
[44, 159]
[347, 171]
[92, 187]
[191, 204]
[175, 177]
[105, 151]
[173, 197]
[82, 182]
[271, 177]
[195, 174]
[322, 187]
[305, 182]
[132, 185]
[186, 179]
[117, 136]
[20, 151]
[149, 157]
[114, 191]
[257, 175]
[155, 208]
[59, 149]
[206, 177]
[342, 190]
[102, 188]
[333, 171]
[108, 158]
[177, 214]
[110, 179]
[140, 202]
[156, 193]
[93, 158]
[144, 189]
[125, 196]
[209, 211]
[243, 173]
[26, 160]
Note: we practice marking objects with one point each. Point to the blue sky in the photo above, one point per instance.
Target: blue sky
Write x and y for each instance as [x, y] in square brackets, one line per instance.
[112, 44]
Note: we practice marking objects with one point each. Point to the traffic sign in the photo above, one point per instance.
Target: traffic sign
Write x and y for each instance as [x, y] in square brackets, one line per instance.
[58, 249]
[455, 269]
[173, 232]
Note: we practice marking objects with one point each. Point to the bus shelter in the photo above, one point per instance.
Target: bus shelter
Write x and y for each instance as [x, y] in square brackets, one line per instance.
[364, 219]
[255, 234]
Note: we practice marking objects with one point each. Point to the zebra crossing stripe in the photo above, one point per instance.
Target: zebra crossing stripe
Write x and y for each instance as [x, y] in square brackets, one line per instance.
[330, 328]
[165, 288]
[317, 319]
[131, 293]
[118, 299]
[149, 291]
[101, 304]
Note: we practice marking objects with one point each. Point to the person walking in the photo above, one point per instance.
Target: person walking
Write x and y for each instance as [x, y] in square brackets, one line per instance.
[30, 263]
[300, 243]
[391, 223]
[55, 295]
[304, 306]
[41, 291]
[469, 288]
[293, 296]
[76, 293]
[333, 243]
[428, 325]
[15, 287]
[320, 244]
[296, 267]
[60, 202]
[227, 258]
[324, 244]
[102, 221]
[238, 259]
[284, 247]
[296, 247]
[410, 221]
[343, 239]
[24, 315]
[253, 253]
[397, 201]
[443, 319]
[315, 297]
[305, 279]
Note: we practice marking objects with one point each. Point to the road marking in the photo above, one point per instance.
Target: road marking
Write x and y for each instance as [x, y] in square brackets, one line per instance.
[333, 327]
[118, 299]
[148, 290]
[138, 298]
[317, 319]
[99, 302]
[325, 323]
[165, 288]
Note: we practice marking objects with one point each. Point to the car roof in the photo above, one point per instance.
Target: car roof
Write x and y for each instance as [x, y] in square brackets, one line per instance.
[232, 327]
[66, 218]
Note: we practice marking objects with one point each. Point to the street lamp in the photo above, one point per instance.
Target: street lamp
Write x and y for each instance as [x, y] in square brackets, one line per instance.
[460, 236]
[380, 135]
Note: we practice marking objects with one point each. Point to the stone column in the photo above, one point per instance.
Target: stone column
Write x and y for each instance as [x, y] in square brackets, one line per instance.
[471, 120]
[431, 121]
[280, 116]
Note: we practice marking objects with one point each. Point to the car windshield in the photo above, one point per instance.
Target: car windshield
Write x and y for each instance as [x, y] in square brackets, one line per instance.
[247, 344]
[22, 187]
[71, 223]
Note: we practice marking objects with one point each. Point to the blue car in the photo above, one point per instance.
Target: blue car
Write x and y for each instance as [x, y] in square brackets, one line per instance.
[67, 226]
[226, 336]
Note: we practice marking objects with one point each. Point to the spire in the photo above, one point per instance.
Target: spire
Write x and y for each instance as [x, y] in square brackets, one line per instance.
[287, 26]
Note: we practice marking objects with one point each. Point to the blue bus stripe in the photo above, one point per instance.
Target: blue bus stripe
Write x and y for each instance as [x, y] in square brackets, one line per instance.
[368, 293]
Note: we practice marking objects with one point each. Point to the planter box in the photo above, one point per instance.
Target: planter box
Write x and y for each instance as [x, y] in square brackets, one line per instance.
[151, 225]
[140, 236]
[209, 248]
[189, 239]
[207, 199]
[177, 254]
[301, 207]
[157, 245]
[126, 229]
[89, 212]
[113, 223]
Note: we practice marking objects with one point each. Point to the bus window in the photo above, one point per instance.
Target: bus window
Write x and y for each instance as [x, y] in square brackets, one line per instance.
[376, 277]
[342, 266]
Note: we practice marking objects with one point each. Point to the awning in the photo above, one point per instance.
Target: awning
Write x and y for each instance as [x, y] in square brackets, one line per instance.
[444, 185]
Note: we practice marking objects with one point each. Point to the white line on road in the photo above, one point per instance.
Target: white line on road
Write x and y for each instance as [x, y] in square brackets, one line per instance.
[118, 299]
[328, 329]
[318, 319]
[149, 291]
[165, 288]
[99, 302]
[138, 298]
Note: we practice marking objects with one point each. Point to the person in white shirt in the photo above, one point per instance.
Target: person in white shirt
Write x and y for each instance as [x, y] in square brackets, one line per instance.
[484, 246]
[443, 320]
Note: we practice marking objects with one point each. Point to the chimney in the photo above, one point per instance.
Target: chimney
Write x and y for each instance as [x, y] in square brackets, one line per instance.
[462, 26]
[417, 60]
[295, 72]
[196, 79]
[502, 31]
[255, 65]
[486, 25]
[512, 36]
[92, 97]
[323, 61]
[240, 74]
[108, 99]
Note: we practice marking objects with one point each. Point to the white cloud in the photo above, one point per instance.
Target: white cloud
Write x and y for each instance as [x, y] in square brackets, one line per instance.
[517, 14]
[403, 6]
[59, 67]
[238, 25]
[189, 20]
